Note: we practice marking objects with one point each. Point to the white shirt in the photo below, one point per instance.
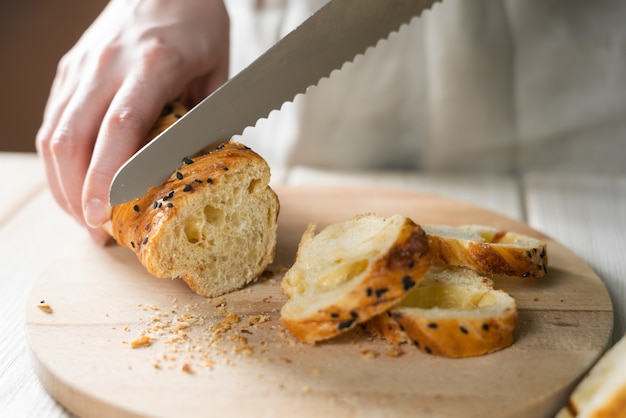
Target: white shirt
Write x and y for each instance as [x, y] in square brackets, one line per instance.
[479, 85]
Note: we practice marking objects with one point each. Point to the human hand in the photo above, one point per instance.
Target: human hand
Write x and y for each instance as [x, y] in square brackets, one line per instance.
[111, 86]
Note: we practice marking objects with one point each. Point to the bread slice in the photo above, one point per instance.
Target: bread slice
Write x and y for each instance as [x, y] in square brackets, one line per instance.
[453, 312]
[350, 272]
[487, 250]
[212, 223]
[602, 392]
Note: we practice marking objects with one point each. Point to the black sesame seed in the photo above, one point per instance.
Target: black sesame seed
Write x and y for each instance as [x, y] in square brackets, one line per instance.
[178, 115]
[334, 315]
[543, 253]
[219, 147]
[345, 324]
[155, 205]
[170, 205]
[432, 325]
[401, 327]
[354, 314]
[539, 267]
[225, 168]
[526, 274]
[369, 291]
[187, 160]
[132, 244]
[136, 208]
[167, 110]
[486, 327]
[463, 329]
[428, 350]
[145, 240]
[381, 291]
[535, 250]
[529, 254]
[168, 196]
[416, 343]
[407, 282]
[210, 181]
[198, 181]
[179, 175]
[188, 188]
[411, 264]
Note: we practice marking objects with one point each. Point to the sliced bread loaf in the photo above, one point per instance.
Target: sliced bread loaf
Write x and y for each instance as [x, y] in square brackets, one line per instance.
[453, 312]
[350, 272]
[602, 392]
[487, 250]
[212, 223]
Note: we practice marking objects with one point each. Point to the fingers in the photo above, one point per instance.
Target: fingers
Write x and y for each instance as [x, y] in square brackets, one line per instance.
[111, 87]
[130, 116]
[66, 138]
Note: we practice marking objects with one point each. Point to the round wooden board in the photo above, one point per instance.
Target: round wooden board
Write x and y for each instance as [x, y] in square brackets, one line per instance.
[230, 356]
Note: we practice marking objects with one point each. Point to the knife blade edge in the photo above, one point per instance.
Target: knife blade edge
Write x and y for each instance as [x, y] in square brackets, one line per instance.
[158, 159]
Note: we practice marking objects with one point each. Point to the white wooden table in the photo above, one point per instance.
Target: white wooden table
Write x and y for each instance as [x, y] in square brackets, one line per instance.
[585, 213]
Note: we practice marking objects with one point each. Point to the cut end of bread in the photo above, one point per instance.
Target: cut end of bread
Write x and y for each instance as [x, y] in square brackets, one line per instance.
[350, 272]
[456, 313]
[213, 223]
[602, 392]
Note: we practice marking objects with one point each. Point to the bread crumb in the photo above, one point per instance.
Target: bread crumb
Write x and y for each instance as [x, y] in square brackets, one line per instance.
[246, 351]
[187, 368]
[44, 307]
[143, 341]
[231, 319]
[394, 352]
[258, 319]
[369, 354]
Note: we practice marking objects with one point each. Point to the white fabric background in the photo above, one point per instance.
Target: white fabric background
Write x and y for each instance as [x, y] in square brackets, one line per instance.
[482, 85]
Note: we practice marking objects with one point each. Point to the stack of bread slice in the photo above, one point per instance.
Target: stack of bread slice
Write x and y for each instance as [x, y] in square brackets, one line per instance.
[434, 294]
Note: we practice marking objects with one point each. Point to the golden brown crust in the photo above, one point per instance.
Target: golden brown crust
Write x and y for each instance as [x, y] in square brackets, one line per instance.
[506, 253]
[385, 327]
[455, 337]
[132, 223]
[170, 114]
[390, 278]
[486, 323]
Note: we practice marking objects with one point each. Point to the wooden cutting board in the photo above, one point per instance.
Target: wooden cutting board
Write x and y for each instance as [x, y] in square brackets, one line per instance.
[230, 356]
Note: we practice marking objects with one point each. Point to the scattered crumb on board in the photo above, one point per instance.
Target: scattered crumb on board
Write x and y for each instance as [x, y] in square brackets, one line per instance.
[44, 307]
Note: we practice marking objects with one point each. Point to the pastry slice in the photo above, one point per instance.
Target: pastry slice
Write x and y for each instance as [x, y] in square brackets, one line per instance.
[487, 250]
[350, 272]
[453, 312]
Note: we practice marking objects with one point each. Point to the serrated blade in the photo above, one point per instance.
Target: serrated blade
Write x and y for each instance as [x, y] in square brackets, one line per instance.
[331, 37]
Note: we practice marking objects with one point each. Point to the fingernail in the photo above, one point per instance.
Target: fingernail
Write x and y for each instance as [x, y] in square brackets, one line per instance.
[96, 213]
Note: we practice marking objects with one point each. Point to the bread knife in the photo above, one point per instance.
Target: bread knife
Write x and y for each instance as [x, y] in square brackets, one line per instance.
[334, 35]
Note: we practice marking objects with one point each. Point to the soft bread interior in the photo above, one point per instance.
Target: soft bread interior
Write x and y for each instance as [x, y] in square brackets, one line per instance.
[220, 237]
[332, 262]
[452, 292]
[603, 390]
[479, 233]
